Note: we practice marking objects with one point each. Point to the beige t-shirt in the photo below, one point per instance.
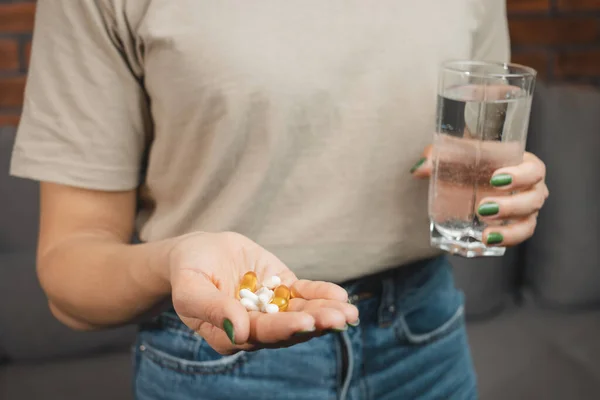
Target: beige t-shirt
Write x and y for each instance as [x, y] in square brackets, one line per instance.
[292, 122]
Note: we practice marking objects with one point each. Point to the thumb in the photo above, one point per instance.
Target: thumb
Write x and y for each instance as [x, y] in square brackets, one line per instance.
[422, 168]
[196, 296]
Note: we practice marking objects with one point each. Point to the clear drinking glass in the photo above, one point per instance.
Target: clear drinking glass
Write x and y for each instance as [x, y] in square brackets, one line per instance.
[482, 120]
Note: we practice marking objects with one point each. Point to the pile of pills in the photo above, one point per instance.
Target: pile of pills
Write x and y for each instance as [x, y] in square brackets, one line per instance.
[270, 297]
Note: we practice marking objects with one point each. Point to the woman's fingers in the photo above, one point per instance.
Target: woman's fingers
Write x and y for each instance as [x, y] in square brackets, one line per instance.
[423, 166]
[303, 320]
[348, 311]
[215, 337]
[302, 316]
[278, 327]
[523, 176]
[263, 329]
[328, 316]
[520, 209]
[196, 297]
[519, 205]
[512, 234]
[319, 290]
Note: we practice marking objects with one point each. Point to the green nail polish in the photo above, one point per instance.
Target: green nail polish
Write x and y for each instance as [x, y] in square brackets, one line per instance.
[418, 164]
[304, 333]
[501, 180]
[495, 238]
[488, 209]
[345, 328]
[228, 328]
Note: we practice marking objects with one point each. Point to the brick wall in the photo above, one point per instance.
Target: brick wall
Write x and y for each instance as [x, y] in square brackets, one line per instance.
[560, 38]
[16, 23]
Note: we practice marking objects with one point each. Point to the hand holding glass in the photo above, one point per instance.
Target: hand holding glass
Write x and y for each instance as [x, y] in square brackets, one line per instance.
[482, 120]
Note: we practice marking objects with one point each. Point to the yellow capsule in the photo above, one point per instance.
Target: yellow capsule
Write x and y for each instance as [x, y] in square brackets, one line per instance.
[282, 291]
[294, 293]
[280, 302]
[249, 281]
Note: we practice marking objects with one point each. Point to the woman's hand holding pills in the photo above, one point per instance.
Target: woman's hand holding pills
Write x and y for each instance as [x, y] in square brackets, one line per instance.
[207, 272]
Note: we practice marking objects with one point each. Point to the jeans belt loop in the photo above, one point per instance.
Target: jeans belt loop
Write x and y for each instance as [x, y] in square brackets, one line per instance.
[387, 308]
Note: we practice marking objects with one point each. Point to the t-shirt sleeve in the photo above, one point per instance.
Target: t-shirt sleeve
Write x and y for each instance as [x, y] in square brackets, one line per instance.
[85, 119]
[491, 40]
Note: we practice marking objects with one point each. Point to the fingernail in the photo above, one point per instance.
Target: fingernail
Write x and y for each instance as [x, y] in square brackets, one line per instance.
[305, 332]
[501, 180]
[490, 208]
[418, 164]
[494, 238]
[345, 328]
[228, 328]
[355, 324]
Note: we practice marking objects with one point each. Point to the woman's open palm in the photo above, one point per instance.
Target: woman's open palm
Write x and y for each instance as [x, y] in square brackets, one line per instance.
[205, 273]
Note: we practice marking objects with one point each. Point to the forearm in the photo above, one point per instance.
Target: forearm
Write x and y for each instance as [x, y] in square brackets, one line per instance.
[94, 281]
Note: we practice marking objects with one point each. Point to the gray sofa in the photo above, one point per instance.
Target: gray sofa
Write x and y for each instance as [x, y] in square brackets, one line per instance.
[39, 357]
[534, 315]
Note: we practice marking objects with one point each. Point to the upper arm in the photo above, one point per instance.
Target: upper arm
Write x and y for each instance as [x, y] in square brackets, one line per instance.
[491, 40]
[68, 212]
[85, 123]
[85, 120]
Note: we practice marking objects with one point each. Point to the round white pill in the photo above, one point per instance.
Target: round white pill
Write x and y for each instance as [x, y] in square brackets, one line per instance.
[262, 290]
[249, 304]
[265, 298]
[247, 294]
[272, 282]
[271, 308]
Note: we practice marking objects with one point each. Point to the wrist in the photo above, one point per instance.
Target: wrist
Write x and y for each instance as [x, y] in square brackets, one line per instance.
[165, 256]
[155, 271]
[161, 261]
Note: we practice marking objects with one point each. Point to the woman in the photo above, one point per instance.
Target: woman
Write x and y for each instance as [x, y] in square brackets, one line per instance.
[291, 123]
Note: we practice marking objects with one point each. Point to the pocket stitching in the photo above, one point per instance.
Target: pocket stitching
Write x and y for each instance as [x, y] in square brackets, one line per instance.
[168, 361]
[443, 330]
[174, 325]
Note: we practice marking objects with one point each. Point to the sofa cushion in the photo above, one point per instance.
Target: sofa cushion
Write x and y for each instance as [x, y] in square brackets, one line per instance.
[101, 377]
[27, 328]
[28, 331]
[489, 283]
[563, 257]
[18, 202]
[528, 353]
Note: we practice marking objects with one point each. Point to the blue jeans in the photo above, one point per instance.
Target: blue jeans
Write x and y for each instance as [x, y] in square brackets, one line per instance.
[411, 344]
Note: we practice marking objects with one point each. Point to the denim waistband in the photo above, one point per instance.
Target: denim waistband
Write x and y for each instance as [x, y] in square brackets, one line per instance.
[403, 287]
[407, 276]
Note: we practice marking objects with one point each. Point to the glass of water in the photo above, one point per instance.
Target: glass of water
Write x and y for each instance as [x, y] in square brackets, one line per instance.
[481, 125]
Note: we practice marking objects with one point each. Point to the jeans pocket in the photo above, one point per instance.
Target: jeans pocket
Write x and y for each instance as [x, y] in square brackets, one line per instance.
[439, 315]
[176, 347]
